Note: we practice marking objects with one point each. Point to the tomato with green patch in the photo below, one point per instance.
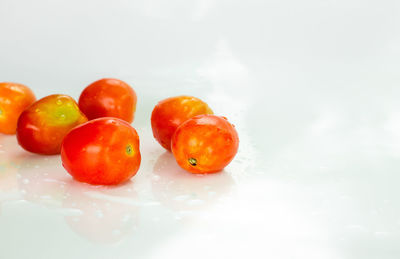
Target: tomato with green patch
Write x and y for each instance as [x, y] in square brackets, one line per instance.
[168, 114]
[42, 127]
[14, 99]
[205, 144]
[103, 151]
[108, 97]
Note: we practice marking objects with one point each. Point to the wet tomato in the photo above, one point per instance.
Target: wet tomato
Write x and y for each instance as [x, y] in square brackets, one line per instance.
[205, 144]
[43, 125]
[108, 98]
[14, 99]
[102, 151]
[168, 114]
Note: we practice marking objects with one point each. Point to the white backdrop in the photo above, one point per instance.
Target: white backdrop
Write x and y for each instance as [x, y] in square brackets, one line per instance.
[312, 86]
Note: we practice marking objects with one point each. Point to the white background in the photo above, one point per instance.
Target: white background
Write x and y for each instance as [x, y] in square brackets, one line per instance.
[312, 87]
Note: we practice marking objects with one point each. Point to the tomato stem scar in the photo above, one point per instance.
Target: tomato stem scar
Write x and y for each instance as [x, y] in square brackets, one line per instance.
[128, 149]
[192, 161]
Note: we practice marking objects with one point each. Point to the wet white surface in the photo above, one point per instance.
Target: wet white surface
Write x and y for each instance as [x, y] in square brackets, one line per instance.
[312, 87]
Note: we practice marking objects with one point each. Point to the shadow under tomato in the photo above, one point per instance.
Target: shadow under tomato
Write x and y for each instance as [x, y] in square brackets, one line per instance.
[182, 191]
[101, 214]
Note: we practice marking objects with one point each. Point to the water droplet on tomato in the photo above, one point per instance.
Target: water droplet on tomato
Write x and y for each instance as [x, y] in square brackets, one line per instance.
[59, 102]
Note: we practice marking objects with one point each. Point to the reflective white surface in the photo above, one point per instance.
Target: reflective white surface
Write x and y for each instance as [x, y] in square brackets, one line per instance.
[313, 88]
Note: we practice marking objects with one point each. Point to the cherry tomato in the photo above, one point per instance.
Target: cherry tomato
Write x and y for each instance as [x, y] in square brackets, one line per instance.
[205, 144]
[172, 112]
[108, 98]
[42, 127]
[102, 151]
[14, 99]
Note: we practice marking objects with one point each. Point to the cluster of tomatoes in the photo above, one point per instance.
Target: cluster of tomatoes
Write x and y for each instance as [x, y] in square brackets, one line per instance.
[94, 136]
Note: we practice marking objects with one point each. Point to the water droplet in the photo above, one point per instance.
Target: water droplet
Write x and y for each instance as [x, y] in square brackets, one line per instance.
[195, 202]
[62, 116]
[99, 214]
[126, 218]
[58, 102]
[116, 232]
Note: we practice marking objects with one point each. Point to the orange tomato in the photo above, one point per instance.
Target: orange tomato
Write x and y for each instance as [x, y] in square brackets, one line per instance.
[42, 127]
[14, 99]
[108, 98]
[168, 114]
[205, 144]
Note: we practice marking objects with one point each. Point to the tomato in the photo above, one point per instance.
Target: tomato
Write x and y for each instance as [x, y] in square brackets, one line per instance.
[14, 99]
[108, 98]
[42, 127]
[205, 144]
[168, 114]
[102, 151]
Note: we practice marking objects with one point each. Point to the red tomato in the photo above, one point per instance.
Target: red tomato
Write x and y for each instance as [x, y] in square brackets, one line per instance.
[205, 144]
[14, 99]
[172, 112]
[42, 127]
[108, 98]
[102, 151]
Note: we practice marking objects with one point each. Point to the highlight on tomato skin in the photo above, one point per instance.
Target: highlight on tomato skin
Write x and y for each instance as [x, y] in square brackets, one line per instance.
[43, 125]
[108, 97]
[103, 151]
[169, 113]
[14, 99]
[205, 144]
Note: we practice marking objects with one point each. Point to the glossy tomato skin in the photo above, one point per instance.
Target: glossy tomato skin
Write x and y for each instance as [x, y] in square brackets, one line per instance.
[103, 151]
[43, 125]
[205, 144]
[14, 99]
[108, 98]
[168, 114]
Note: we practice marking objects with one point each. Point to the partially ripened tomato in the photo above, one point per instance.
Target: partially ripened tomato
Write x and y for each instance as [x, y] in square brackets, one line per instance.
[205, 144]
[108, 98]
[168, 114]
[14, 99]
[43, 125]
[102, 151]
